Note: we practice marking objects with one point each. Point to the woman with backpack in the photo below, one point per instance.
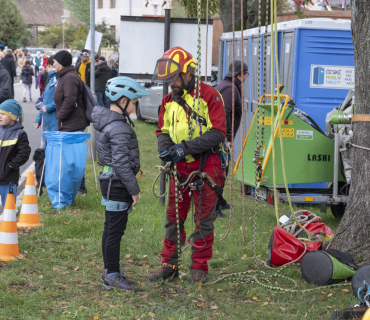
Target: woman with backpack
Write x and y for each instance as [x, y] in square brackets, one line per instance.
[69, 98]
[27, 74]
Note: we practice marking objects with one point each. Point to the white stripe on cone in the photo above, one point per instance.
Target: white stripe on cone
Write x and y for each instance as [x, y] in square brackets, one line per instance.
[8, 237]
[9, 215]
[29, 209]
[30, 190]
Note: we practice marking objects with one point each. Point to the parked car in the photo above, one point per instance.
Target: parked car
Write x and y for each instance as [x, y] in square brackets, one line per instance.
[147, 108]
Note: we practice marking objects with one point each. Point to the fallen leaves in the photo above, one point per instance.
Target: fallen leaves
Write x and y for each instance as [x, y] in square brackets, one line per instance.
[344, 290]
[214, 307]
[255, 298]
[41, 276]
[265, 304]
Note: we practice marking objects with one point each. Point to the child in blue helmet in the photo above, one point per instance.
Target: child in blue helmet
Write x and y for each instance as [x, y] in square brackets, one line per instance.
[118, 152]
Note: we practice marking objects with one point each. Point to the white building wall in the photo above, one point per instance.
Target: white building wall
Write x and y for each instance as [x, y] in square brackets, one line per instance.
[113, 15]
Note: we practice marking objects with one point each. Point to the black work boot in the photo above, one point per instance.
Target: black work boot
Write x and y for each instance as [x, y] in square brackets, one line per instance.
[197, 276]
[165, 272]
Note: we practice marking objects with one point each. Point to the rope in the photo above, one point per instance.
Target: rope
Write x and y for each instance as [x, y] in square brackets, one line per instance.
[364, 148]
[177, 220]
[232, 121]
[242, 97]
[42, 176]
[278, 124]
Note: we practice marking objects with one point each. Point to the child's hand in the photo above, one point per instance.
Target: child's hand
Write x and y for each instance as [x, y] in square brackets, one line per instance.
[136, 199]
[36, 125]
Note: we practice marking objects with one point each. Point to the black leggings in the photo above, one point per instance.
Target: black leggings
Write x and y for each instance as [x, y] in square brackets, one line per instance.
[114, 227]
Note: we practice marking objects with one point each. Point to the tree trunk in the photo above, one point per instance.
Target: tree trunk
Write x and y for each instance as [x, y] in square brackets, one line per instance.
[226, 14]
[354, 230]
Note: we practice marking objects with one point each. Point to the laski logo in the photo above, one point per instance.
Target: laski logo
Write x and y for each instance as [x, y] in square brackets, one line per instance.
[318, 75]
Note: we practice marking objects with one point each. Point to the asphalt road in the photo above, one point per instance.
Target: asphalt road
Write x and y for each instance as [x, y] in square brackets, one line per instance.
[30, 113]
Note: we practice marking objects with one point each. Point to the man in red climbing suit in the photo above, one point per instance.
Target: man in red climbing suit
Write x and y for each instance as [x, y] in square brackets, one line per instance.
[190, 137]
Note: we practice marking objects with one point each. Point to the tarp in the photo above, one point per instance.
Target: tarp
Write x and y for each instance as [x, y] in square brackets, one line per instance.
[65, 163]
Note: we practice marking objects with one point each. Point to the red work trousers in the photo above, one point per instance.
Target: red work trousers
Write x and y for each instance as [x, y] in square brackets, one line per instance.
[205, 237]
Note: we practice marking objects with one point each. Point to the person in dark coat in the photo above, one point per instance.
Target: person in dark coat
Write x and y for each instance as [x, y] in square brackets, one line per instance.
[102, 74]
[27, 74]
[9, 64]
[225, 88]
[118, 152]
[69, 99]
[5, 84]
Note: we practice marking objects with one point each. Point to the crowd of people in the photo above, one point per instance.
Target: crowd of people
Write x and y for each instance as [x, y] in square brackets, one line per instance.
[196, 141]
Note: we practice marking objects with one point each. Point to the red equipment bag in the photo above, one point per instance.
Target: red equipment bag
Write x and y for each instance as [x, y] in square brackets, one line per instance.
[285, 248]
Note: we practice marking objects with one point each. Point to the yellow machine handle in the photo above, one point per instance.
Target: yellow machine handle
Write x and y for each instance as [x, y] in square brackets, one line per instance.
[287, 99]
[366, 315]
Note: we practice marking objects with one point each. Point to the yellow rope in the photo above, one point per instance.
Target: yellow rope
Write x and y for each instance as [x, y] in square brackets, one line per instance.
[274, 33]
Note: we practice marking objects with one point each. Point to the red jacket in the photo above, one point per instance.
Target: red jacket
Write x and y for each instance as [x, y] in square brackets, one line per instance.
[44, 61]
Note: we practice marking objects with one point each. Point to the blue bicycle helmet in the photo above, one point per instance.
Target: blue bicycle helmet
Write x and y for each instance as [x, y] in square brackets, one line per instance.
[119, 87]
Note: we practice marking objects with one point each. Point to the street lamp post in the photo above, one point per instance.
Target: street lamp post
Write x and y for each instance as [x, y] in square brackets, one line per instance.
[155, 5]
[63, 21]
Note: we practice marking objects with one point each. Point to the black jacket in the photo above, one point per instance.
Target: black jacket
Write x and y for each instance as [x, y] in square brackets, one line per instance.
[45, 79]
[87, 72]
[117, 146]
[102, 74]
[225, 88]
[69, 101]
[27, 73]
[9, 64]
[5, 85]
[14, 152]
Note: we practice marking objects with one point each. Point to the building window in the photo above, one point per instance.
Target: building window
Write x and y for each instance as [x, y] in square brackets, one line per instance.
[112, 3]
[113, 30]
[100, 4]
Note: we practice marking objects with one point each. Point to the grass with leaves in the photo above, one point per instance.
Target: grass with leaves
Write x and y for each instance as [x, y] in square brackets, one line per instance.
[60, 277]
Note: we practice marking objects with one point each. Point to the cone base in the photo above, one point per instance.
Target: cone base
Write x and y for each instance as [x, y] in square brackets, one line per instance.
[29, 225]
[11, 258]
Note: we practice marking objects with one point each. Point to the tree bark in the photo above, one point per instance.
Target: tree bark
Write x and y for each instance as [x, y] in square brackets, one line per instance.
[226, 14]
[354, 229]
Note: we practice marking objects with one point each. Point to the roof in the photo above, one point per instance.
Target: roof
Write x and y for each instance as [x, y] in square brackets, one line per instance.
[43, 12]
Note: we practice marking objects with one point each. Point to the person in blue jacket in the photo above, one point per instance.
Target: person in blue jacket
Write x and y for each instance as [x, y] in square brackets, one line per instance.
[48, 112]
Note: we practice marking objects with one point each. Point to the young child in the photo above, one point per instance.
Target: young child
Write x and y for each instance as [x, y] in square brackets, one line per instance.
[15, 148]
[118, 152]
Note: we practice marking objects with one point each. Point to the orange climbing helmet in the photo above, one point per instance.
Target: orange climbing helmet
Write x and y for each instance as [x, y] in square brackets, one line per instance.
[173, 62]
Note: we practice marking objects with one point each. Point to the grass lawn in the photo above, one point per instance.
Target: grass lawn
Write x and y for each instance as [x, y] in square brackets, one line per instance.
[60, 278]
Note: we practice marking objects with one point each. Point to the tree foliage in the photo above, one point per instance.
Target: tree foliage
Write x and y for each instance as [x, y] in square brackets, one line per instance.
[74, 36]
[13, 30]
[80, 9]
[108, 39]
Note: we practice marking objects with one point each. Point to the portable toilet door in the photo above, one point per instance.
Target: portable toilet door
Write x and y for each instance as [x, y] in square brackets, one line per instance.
[286, 60]
[323, 64]
[247, 102]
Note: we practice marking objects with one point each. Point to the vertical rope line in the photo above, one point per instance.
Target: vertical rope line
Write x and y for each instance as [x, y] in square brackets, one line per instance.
[177, 220]
[273, 112]
[232, 122]
[257, 134]
[264, 74]
[242, 97]
[205, 79]
[198, 75]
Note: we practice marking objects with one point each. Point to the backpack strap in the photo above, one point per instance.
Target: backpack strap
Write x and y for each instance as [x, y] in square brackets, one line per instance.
[189, 111]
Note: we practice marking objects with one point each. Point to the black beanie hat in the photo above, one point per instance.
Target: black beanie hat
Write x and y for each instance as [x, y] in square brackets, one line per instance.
[64, 58]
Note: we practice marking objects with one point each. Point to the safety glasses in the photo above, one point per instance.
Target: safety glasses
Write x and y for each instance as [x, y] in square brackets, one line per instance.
[166, 70]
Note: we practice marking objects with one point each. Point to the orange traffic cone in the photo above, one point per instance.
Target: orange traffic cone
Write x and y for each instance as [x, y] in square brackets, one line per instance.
[9, 249]
[29, 216]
